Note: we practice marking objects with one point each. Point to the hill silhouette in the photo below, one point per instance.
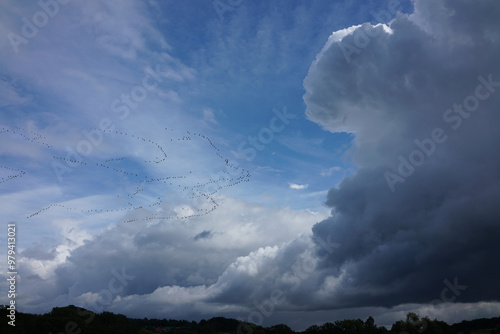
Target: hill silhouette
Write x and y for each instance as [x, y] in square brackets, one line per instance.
[76, 320]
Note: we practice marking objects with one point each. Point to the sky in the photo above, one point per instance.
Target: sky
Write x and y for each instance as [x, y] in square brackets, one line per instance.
[273, 161]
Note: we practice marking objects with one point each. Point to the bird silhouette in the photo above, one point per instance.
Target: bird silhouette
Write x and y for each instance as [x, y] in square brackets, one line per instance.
[138, 198]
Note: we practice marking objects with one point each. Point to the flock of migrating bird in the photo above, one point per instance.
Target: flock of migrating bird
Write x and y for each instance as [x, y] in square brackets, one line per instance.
[159, 208]
[37, 138]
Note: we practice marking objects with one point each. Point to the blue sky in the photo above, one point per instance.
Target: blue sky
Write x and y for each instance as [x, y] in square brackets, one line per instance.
[197, 148]
[226, 79]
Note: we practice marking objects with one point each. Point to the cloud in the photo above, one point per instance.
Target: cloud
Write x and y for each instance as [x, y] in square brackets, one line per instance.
[172, 255]
[250, 280]
[378, 249]
[329, 171]
[394, 91]
[116, 33]
[11, 95]
[209, 116]
[204, 235]
[39, 252]
[298, 186]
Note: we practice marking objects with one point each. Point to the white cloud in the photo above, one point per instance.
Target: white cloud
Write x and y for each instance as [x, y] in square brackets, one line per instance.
[298, 186]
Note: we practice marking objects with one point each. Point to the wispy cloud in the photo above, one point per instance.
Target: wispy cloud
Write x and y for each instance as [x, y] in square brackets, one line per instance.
[330, 171]
[209, 116]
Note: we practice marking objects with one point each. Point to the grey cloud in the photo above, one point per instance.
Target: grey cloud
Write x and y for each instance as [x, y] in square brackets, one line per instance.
[176, 263]
[442, 221]
[39, 252]
[203, 235]
[254, 277]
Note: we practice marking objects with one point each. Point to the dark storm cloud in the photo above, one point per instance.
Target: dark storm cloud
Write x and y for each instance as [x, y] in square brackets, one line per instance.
[441, 220]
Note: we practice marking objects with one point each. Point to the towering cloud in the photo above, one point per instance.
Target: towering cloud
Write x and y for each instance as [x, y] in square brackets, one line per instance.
[421, 96]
